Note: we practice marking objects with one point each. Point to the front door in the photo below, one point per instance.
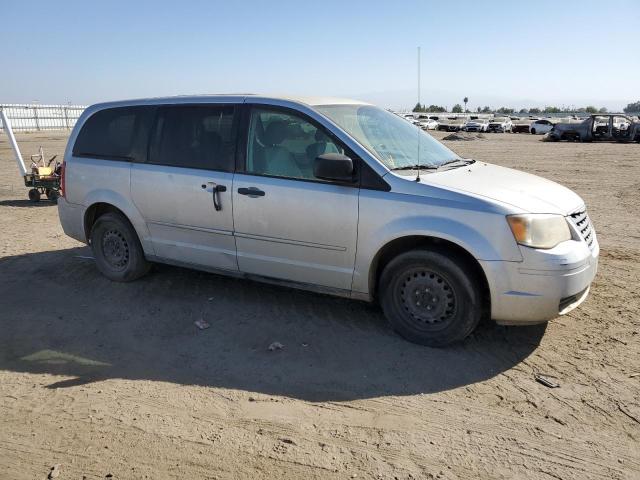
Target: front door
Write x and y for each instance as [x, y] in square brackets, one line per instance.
[184, 189]
[289, 224]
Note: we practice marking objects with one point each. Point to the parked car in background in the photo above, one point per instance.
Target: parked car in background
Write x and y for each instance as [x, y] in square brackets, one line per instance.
[500, 125]
[521, 126]
[610, 127]
[428, 124]
[443, 124]
[456, 124]
[330, 195]
[541, 126]
[477, 125]
[411, 118]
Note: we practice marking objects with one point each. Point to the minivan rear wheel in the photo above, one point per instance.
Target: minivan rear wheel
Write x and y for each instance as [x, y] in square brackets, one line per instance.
[429, 298]
[116, 248]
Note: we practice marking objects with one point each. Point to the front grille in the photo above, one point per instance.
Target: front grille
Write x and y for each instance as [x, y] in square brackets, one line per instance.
[583, 225]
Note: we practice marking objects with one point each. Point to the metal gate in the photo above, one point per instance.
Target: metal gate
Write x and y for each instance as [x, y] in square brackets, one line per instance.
[34, 117]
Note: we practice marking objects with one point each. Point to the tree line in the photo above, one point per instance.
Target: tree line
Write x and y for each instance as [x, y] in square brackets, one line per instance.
[632, 107]
[457, 108]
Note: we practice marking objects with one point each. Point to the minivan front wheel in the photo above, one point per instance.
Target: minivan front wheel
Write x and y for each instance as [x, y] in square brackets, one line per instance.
[116, 248]
[429, 298]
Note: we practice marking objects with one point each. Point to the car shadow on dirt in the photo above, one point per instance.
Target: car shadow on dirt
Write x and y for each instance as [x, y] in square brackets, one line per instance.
[60, 316]
[27, 203]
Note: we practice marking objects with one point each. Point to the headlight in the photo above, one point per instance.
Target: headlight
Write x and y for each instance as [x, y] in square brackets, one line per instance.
[539, 230]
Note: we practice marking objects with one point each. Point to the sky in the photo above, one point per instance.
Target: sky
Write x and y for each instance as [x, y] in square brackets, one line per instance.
[498, 53]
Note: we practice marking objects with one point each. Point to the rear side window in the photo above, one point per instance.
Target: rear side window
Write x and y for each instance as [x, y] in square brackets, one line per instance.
[199, 137]
[108, 134]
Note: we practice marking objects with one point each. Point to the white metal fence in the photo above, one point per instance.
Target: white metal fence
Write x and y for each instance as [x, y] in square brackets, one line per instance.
[34, 117]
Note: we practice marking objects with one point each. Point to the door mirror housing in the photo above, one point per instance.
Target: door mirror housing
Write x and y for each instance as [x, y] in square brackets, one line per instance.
[333, 166]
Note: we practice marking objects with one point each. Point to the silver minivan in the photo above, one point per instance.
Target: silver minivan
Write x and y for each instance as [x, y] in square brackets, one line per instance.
[325, 194]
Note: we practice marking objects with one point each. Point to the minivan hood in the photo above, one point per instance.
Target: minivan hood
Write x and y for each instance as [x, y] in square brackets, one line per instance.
[525, 191]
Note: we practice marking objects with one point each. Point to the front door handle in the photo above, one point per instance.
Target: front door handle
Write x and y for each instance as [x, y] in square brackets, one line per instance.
[252, 192]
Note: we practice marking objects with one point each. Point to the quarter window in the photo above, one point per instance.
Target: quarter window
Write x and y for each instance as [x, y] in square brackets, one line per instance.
[108, 134]
[194, 137]
[282, 144]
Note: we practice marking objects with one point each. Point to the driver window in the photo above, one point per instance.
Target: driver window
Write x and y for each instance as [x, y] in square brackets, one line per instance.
[285, 145]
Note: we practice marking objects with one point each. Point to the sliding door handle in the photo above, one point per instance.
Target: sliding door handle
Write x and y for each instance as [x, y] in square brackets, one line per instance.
[215, 190]
[215, 187]
[252, 192]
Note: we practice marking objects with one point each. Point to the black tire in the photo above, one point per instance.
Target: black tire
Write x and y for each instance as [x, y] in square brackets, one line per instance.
[53, 195]
[116, 248]
[34, 195]
[446, 306]
[533, 131]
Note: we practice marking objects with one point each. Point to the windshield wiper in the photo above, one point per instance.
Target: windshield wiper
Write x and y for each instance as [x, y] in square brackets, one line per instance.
[415, 167]
[464, 161]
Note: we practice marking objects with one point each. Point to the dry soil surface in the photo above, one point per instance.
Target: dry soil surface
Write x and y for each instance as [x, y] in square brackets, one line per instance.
[103, 378]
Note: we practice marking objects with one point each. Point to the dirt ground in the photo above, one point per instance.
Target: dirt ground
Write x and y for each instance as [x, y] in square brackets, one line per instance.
[104, 378]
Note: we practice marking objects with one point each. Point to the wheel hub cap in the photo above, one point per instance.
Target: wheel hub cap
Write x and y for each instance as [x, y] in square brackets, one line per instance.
[427, 297]
[115, 249]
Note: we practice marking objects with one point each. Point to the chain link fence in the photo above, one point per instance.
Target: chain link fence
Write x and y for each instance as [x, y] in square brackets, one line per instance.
[34, 117]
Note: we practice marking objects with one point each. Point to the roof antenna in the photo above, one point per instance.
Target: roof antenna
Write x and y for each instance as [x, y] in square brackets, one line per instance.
[417, 126]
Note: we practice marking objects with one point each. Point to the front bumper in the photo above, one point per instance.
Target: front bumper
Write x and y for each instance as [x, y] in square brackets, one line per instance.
[546, 284]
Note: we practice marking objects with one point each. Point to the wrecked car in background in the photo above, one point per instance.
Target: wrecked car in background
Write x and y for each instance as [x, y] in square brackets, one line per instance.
[614, 127]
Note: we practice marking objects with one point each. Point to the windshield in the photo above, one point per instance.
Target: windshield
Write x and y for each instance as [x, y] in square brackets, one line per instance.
[393, 141]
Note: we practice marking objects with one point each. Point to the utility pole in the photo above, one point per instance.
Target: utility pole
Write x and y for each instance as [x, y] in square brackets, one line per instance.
[419, 77]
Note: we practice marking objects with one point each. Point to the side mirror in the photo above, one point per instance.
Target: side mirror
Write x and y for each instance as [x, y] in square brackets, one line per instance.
[333, 166]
